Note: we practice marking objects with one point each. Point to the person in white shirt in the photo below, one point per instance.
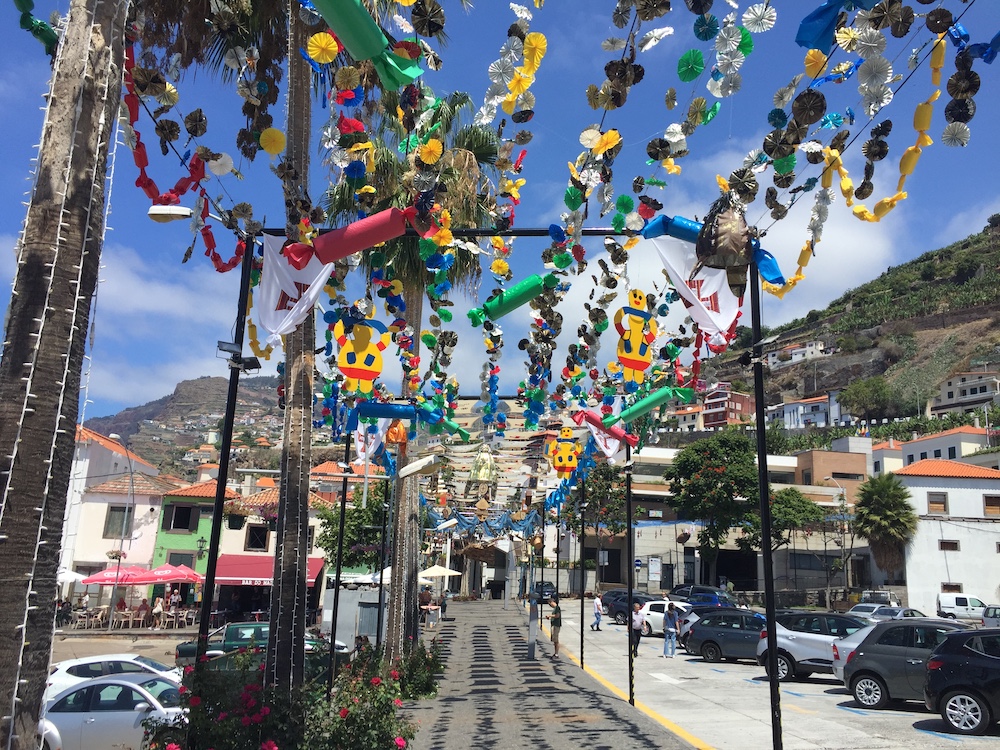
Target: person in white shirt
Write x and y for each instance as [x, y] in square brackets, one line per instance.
[598, 612]
[175, 600]
[638, 620]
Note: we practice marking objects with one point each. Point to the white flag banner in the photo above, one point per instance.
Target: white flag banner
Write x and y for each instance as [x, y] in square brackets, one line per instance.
[286, 295]
[367, 443]
[708, 298]
[610, 446]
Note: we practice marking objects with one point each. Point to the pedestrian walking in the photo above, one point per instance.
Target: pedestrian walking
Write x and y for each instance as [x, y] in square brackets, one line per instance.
[670, 626]
[555, 621]
[638, 620]
[598, 612]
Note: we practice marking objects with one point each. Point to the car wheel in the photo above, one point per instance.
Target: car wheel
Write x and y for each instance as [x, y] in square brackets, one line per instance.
[620, 618]
[646, 630]
[711, 652]
[869, 691]
[786, 666]
[966, 713]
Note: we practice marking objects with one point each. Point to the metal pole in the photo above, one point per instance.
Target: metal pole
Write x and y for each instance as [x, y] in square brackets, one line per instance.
[583, 569]
[381, 569]
[235, 366]
[112, 606]
[332, 673]
[631, 572]
[765, 510]
[558, 543]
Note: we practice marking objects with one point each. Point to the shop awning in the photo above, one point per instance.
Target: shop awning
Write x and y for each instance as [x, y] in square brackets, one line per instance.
[257, 570]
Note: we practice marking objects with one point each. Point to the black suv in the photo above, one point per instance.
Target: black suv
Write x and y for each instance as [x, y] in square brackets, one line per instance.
[962, 681]
[683, 592]
[544, 590]
[617, 607]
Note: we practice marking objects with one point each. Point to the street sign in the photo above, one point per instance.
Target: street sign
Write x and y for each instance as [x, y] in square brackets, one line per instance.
[638, 563]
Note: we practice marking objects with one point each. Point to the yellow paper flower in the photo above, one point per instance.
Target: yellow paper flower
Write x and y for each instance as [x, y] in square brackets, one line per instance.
[535, 46]
[497, 242]
[668, 164]
[406, 3]
[631, 242]
[323, 48]
[521, 82]
[509, 103]
[431, 151]
[606, 142]
[499, 267]
[367, 151]
[847, 38]
[366, 190]
[272, 141]
[444, 219]
[512, 188]
[443, 237]
[815, 63]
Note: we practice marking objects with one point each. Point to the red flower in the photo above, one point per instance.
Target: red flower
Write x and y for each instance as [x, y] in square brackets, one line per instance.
[343, 713]
[400, 743]
[182, 690]
[268, 745]
[173, 746]
[394, 674]
[245, 721]
[265, 711]
[223, 715]
[398, 702]
[195, 701]
[376, 681]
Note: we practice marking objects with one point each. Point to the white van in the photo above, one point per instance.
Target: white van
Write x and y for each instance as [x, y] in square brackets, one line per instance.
[960, 606]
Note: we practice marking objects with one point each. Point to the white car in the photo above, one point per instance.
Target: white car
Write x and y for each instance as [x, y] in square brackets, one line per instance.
[109, 712]
[894, 613]
[864, 610]
[654, 612]
[804, 640]
[843, 650]
[71, 672]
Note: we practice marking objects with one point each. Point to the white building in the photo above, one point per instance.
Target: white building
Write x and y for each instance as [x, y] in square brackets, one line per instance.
[957, 544]
[794, 353]
[964, 392]
[951, 444]
[96, 459]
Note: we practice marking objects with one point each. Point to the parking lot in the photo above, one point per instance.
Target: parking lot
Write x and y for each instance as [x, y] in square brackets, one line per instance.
[726, 705]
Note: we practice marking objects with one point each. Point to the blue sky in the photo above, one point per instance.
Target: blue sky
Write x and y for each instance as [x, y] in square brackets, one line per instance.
[157, 320]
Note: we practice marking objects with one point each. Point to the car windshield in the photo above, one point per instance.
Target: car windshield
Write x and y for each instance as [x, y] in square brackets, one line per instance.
[164, 691]
[152, 664]
[888, 611]
[864, 607]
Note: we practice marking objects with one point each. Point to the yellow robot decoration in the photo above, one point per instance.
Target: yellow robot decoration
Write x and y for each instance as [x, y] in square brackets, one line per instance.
[360, 355]
[564, 452]
[637, 331]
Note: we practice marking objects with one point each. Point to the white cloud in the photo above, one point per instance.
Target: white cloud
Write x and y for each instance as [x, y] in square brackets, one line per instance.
[960, 225]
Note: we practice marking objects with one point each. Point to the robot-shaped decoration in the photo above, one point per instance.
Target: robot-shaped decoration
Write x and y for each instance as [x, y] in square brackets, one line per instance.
[360, 355]
[564, 452]
[637, 330]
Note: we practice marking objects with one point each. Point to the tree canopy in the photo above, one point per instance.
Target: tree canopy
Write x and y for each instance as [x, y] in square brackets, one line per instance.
[362, 528]
[884, 517]
[790, 510]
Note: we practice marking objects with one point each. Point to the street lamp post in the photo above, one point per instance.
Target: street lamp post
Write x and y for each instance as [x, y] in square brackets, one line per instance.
[842, 528]
[121, 538]
[583, 569]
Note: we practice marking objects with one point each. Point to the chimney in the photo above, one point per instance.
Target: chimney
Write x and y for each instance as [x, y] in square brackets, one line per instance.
[892, 443]
[975, 423]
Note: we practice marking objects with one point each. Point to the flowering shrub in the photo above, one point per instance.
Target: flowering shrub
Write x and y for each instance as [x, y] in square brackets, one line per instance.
[267, 512]
[234, 508]
[116, 554]
[418, 670]
[364, 714]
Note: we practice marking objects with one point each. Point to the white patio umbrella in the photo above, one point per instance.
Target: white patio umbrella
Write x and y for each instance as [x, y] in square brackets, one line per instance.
[439, 571]
[69, 576]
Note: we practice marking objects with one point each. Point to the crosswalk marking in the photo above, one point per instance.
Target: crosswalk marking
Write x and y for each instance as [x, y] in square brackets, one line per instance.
[665, 678]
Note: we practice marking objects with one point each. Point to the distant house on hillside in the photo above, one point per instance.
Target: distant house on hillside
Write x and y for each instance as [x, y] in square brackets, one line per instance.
[723, 406]
[964, 392]
[806, 412]
[202, 454]
[950, 444]
[794, 353]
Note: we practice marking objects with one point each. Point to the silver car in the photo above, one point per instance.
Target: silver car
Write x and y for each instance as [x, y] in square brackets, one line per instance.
[804, 639]
[109, 711]
[991, 616]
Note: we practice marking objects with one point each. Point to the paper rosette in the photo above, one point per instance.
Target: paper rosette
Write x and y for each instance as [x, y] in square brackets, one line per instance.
[690, 65]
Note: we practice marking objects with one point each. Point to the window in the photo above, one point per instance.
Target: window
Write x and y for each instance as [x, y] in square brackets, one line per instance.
[923, 455]
[73, 703]
[311, 537]
[87, 671]
[937, 503]
[998, 548]
[807, 477]
[988, 645]
[878, 467]
[894, 637]
[811, 561]
[952, 453]
[114, 698]
[982, 389]
[909, 458]
[928, 637]
[125, 667]
[991, 505]
[948, 545]
[754, 623]
[962, 392]
[257, 538]
[118, 522]
[181, 558]
[951, 394]
[181, 518]
[937, 453]
[951, 588]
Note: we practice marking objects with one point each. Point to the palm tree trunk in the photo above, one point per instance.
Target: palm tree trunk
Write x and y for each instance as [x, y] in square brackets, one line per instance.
[403, 626]
[58, 261]
[286, 638]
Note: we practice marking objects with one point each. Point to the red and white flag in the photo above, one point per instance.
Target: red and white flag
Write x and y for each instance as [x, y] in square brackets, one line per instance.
[286, 295]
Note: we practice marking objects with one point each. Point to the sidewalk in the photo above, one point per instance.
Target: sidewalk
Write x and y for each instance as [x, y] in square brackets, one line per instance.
[493, 696]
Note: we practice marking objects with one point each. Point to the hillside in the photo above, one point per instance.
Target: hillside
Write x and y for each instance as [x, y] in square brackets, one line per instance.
[161, 431]
[915, 324]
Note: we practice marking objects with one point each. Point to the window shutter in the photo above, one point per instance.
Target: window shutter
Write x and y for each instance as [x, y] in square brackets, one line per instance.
[195, 516]
[168, 516]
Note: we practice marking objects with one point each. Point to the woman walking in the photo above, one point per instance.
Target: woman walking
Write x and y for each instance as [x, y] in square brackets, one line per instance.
[670, 631]
[638, 620]
[598, 612]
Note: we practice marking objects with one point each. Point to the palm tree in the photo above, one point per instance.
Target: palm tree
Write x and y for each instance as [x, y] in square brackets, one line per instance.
[884, 517]
[58, 257]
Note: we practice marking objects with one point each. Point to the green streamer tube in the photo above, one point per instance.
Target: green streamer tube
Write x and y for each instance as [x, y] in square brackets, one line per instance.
[434, 417]
[364, 40]
[646, 405]
[509, 300]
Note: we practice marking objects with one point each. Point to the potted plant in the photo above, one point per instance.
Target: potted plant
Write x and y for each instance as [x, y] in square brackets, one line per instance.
[268, 513]
[235, 513]
[116, 554]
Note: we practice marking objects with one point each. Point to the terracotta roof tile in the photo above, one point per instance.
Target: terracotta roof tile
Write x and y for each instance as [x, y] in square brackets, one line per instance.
[272, 495]
[963, 430]
[142, 484]
[204, 490]
[85, 433]
[938, 467]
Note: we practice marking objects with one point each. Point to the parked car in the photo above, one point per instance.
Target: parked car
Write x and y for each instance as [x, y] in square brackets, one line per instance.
[110, 711]
[237, 635]
[843, 649]
[692, 616]
[991, 617]
[864, 609]
[71, 672]
[545, 590]
[895, 613]
[726, 634]
[716, 598]
[803, 640]
[962, 680]
[618, 609]
[960, 607]
[654, 612]
[610, 596]
[889, 664]
[684, 591]
[883, 597]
